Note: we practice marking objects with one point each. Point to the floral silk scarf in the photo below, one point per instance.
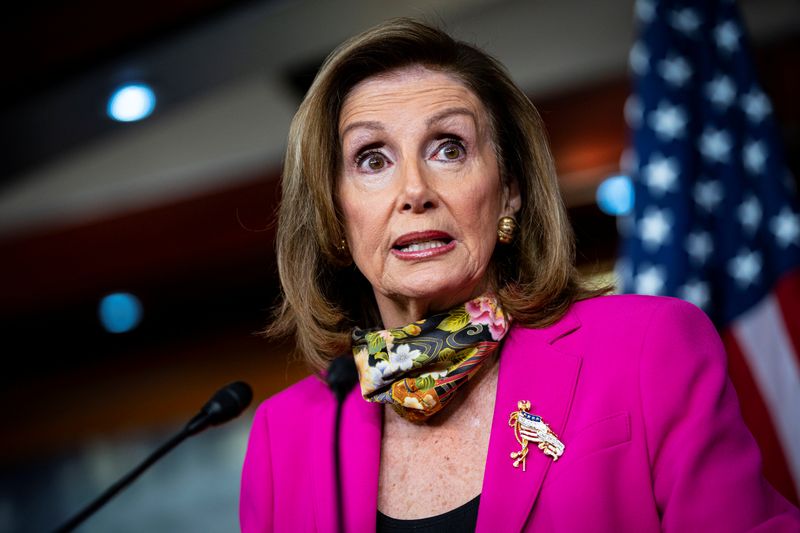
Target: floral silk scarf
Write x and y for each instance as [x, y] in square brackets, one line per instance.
[418, 367]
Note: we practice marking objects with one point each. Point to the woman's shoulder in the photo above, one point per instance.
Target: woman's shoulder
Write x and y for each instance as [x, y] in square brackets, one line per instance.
[636, 307]
[652, 319]
[621, 327]
[629, 315]
[637, 315]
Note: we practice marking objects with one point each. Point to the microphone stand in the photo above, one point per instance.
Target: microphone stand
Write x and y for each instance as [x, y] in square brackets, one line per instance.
[126, 480]
[226, 404]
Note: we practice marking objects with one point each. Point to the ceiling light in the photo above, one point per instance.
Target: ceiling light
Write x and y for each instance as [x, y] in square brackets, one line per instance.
[615, 195]
[131, 102]
[120, 312]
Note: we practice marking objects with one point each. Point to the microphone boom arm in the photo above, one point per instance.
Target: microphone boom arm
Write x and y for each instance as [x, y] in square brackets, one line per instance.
[226, 404]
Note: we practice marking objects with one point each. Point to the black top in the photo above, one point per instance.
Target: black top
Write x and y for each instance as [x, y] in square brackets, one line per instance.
[463, 518]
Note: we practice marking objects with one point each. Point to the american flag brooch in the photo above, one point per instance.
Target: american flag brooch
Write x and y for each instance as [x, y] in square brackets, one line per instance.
[529, 427]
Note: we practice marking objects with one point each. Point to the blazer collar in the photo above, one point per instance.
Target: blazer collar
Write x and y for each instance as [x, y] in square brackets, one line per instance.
[534, 368]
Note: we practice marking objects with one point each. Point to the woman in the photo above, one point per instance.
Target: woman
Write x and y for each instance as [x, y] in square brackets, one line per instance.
[419, 196]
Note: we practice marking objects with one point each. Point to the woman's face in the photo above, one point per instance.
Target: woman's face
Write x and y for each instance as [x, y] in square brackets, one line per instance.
[420, 189]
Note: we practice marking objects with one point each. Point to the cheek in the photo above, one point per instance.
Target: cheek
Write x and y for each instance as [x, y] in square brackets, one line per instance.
[484, 210]
[363, 226]
[483, 204]
[351, 206]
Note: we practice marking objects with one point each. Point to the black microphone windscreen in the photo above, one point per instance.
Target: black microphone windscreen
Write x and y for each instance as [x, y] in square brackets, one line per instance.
[342, 375]
[228, 402]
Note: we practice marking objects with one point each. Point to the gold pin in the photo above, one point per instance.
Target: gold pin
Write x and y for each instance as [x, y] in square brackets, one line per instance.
[529, 427]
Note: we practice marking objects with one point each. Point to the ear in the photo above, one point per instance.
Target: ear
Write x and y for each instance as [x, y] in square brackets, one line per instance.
[512, 201]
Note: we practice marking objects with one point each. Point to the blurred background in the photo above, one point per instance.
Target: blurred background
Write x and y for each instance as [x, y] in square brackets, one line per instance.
[136, 254]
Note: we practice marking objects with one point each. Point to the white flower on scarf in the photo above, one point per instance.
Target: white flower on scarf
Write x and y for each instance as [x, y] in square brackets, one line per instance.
[436, 375]
[382, 366]
[371, 380]
[402, 358]
[411, 402]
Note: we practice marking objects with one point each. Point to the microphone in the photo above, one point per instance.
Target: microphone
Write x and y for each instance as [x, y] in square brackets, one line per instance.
[342, 377]
[226, 404]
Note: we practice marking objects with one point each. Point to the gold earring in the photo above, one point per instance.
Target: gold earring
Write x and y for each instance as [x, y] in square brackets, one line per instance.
[342, 246]
[506, 227]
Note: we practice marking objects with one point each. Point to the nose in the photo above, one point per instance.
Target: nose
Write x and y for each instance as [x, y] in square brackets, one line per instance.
[416, 195]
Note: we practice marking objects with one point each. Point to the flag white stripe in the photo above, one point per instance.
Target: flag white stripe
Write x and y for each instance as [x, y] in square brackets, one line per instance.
[762, 335]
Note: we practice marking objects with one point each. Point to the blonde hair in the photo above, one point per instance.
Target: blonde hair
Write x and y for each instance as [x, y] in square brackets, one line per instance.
[323, 294]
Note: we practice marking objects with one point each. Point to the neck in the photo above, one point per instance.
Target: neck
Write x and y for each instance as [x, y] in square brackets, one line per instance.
[397, 311]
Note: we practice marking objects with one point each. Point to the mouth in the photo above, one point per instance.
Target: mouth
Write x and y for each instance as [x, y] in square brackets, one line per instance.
[419, 247]
[423, 244]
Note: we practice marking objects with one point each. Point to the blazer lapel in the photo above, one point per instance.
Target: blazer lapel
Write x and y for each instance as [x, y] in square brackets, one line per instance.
[360, 450]
[531, 368]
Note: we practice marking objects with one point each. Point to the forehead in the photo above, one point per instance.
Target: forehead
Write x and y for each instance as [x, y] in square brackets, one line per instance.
[418, 89]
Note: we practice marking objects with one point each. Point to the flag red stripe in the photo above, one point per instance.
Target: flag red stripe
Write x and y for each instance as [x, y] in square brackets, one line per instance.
[758, 419]
[787, 292]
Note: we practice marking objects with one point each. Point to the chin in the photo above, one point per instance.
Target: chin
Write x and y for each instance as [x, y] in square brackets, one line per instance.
[439, 287]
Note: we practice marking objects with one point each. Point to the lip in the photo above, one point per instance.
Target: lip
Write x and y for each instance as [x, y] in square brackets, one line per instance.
[422, 236]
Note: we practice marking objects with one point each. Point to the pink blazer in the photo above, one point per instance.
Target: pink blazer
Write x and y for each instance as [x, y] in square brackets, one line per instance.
[635, 387]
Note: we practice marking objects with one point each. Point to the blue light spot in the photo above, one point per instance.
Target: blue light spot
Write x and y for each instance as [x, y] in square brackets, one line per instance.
[615, 195]
[120, 312]
[131, 102]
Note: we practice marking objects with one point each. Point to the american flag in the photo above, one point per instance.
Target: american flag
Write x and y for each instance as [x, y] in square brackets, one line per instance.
[528, 426]
[716, 218]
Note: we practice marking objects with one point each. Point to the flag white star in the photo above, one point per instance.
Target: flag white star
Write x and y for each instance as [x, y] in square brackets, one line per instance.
[727, 36]
[633, 111]
[749, 212]
[755, 156]
[639, 58]
[745, 268]
[721, 91]
[700, 246]
[650, 280]
[708, 194]
[685, 21]
[756, 105]
[675, 70]
[654, 228]
[715, 145]
[695, 291]
[661, 174]
[668, 121]
[645, 10]
[786, 227]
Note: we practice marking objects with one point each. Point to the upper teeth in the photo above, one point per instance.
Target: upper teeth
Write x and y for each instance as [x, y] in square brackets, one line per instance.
[418, 246]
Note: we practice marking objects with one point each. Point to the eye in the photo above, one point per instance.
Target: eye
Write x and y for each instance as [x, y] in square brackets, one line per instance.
[452, 150]
[371, 161]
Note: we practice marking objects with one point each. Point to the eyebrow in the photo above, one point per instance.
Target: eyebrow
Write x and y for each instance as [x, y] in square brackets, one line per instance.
[449, 112]
[368, 124]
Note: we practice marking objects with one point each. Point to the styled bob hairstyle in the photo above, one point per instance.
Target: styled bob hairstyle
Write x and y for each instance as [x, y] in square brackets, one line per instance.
[323, 293]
